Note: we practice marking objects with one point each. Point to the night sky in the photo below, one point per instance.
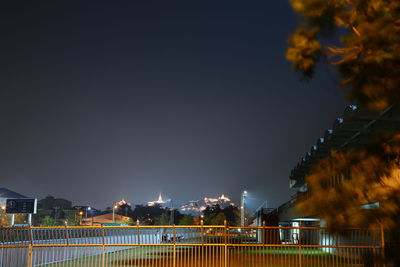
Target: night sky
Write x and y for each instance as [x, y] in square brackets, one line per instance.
[104, 100]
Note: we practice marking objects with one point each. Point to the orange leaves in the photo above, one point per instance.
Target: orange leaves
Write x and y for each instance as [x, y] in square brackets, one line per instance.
[343, 183]
[368, 58]
[304, 50]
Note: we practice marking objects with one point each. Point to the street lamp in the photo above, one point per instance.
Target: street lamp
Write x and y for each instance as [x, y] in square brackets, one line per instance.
[242, 214]
[87, 210]
[172, 213]
[113, 214]
[81, 216]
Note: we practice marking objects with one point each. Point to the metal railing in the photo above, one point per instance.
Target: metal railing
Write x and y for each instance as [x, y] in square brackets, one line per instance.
[194, 246]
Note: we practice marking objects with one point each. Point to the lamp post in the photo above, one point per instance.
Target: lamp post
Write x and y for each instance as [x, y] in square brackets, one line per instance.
[87, 210]
[113, 214]
[242, 213]
[172, 214]
[80, 217]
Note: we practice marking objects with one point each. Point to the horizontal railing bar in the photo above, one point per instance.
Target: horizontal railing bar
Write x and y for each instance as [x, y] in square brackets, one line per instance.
[290, 227]
[175, 226]
[190, 244]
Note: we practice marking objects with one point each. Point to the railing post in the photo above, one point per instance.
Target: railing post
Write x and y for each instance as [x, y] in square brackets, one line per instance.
[66, 240]
[174, 236]
[263, 233]
[102, 247]
[226, 244]
[30, 247]
[383, 246]
[299, 242]
[66, 234]
[138, 231]
[336, 251]
[202, 243]
[202, 232]
[29, 264]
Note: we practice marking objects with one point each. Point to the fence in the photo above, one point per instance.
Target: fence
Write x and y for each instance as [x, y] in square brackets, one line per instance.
[179, 246]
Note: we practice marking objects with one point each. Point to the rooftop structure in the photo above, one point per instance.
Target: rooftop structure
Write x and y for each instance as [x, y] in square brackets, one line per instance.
[354, 129]
[7, 193]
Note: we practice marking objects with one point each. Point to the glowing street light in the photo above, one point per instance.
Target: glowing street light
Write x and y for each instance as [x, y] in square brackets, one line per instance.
[80, 217]
[243, 198]
[113, 214]
[86, 211]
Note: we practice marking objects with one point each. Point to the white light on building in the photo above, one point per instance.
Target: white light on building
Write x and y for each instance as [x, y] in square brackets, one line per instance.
[159, 201]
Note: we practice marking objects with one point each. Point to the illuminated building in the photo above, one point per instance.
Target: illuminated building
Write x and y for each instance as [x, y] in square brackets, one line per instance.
[159, 201]
[197, 206]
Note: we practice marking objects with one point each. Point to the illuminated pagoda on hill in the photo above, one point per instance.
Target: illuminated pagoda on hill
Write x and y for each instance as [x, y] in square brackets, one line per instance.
[159, 201]
[195, 207]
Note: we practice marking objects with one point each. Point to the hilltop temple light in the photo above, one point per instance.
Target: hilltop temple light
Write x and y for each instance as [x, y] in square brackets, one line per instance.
[158, 201]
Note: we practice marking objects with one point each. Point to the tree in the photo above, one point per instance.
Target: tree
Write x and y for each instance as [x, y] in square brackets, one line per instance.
[72, 217]
[5, 219]
[49, 221]
[147, 214]
[230, 214]
[361, 38]
[163, 219]
[218, 219]
[187, 220]
[210, 212]
[177, 216]
[124, 210]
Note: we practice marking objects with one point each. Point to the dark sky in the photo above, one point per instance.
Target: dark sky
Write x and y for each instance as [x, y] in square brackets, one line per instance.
[103, 100]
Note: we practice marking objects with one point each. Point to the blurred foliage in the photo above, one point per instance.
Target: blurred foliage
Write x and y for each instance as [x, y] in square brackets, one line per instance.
[72, 217]
[124, 210]
[341, 185]
[147, 214]
[5, 219]
[163, 219]
[359, 37]
[215, 215]
[187, 220]
[49, 221]
[218, 219]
